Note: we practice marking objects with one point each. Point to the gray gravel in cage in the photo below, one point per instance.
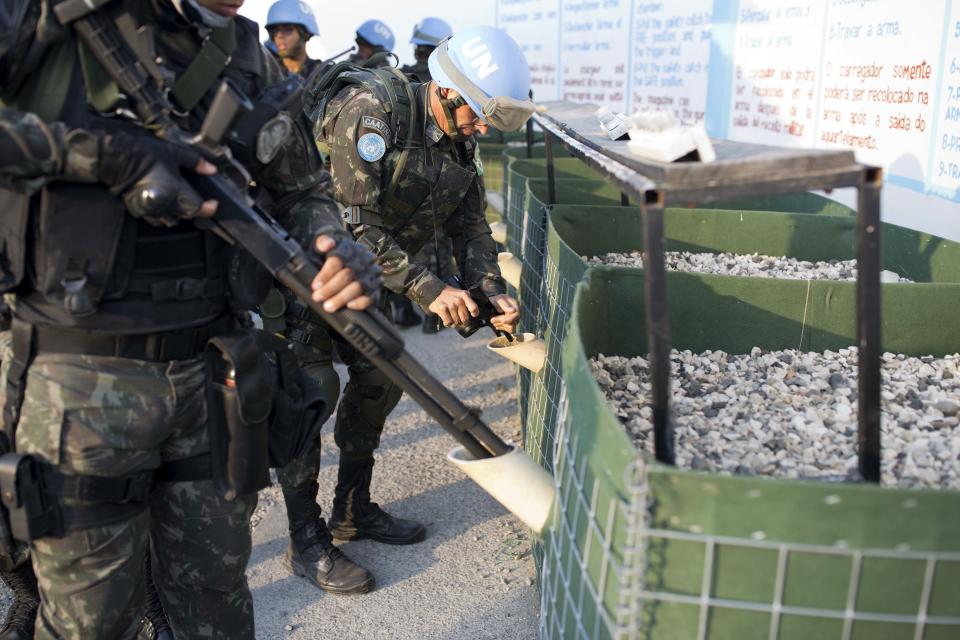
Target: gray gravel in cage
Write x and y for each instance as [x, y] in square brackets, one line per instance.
[793, 414]
[753, 265]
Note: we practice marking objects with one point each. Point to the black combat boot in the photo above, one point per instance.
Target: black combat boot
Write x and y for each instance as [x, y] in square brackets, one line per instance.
[22, 614]
[400, 310]
[153, 622]
[355, 516]
[311, 553]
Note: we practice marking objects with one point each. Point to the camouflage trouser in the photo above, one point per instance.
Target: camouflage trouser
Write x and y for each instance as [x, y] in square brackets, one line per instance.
[11, 558]
[115, 417]
[368, 399]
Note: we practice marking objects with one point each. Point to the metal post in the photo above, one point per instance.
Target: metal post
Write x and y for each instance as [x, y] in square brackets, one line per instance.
[530, 138]
[868, 322]
[658, 325]
[551, 179]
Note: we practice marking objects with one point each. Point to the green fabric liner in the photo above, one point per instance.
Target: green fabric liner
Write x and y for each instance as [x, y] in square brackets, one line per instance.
[828, 516]
[735, 314]
[597, 230]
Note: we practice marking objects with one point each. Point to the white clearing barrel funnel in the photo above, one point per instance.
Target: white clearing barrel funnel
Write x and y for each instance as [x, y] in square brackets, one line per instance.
[516, 481]
[510, 268]
[526, 349]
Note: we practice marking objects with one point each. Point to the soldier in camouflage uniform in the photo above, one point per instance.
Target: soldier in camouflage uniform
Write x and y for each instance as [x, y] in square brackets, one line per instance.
[436, 254]
[117, 292]
[374, 36]
[438, 189]
[291, 24]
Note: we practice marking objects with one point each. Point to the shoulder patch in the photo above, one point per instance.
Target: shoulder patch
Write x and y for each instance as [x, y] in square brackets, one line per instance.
[377, 124]
[371, 147]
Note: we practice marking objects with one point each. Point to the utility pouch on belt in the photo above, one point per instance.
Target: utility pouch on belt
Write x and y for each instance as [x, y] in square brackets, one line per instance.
[239, 400]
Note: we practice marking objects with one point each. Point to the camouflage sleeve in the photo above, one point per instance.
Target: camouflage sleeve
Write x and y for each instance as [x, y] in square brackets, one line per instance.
[357, 183]
[33, 152]
[473, 244]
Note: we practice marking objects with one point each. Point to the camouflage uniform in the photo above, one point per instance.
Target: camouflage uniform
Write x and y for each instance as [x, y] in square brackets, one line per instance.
[115, 416]
[439, 193]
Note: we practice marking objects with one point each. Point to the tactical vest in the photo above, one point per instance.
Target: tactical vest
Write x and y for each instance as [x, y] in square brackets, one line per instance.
[70, 252]
[416, 181]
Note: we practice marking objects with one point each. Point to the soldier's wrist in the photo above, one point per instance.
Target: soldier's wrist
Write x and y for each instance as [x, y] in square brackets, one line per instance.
[81, 156]
[429, 292]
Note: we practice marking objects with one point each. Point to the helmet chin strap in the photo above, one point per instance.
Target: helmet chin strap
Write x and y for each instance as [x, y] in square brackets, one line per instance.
[448, 106]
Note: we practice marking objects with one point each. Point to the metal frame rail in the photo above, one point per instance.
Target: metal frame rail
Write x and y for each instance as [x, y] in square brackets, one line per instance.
[740, 170]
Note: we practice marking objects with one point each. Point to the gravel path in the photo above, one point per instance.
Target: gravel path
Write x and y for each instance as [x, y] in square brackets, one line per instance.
[755, 265]
[472, 578]
[794, 414]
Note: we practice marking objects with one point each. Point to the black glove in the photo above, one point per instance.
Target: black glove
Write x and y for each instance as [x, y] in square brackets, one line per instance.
[354, 256]
[146, 173]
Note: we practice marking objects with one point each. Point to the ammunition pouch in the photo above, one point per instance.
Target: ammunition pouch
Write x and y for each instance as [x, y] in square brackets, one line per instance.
[239, 400]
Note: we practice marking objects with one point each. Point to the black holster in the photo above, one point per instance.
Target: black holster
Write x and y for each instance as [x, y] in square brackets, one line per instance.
[29, 511]
[239, 400]
[299, 407]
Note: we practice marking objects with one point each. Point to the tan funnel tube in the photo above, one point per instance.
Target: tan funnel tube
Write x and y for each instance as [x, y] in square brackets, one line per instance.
[499, 232]
[526, 349]
[516, 481]
[510, 268]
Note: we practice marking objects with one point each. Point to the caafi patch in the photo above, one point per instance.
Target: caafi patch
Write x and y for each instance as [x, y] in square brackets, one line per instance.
[369, 122]
[371, 146]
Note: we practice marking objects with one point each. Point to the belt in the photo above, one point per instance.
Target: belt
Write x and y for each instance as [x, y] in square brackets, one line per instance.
[180, 344]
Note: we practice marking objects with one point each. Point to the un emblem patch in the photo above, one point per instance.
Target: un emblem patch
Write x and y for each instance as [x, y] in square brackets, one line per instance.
[371, 146]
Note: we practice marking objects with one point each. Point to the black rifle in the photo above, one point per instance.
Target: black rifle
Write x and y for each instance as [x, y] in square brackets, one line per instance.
[239, 221]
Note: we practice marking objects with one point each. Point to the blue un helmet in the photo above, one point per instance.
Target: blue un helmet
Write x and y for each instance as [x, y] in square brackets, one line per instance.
[486, 67]
[377, 34]
[429, 32]
[292, 12]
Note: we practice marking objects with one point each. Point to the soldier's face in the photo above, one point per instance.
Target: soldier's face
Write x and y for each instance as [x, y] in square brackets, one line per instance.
[288, 40]
[468, 122]
[364, 51]
[227, 8]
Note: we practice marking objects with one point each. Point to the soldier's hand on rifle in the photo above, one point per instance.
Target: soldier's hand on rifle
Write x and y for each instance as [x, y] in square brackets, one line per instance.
[511, 313]
[349, 276]
[454, 306]
[146, 173]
